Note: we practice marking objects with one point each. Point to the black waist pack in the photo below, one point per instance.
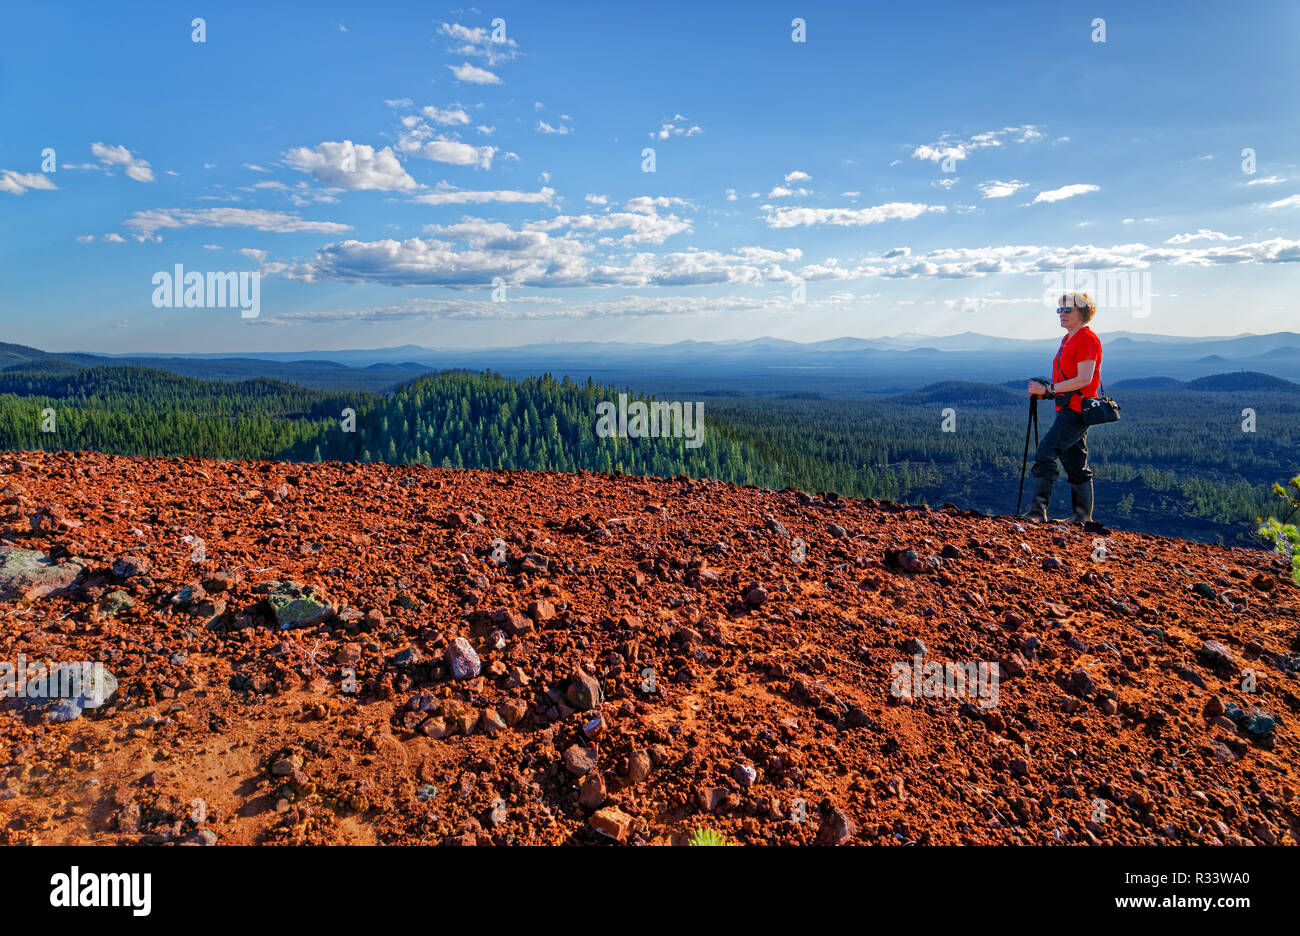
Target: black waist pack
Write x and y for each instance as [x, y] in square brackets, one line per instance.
[1099, 410]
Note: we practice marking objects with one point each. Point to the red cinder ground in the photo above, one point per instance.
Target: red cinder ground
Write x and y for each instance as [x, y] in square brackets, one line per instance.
[770, 716]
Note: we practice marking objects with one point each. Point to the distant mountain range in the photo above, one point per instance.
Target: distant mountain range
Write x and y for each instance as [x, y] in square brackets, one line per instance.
[762, 365]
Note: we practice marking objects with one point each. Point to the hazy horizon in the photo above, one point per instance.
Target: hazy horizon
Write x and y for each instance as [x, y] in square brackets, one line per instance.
[725, 341]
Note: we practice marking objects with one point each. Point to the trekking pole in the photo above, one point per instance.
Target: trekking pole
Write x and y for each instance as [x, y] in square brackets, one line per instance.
[1024, 464]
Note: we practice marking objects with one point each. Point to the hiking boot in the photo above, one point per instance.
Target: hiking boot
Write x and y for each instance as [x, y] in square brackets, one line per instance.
[1037, 512]
[1081, 500]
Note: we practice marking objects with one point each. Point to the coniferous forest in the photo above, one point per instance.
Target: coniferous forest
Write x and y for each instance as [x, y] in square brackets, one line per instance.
[1177, 464]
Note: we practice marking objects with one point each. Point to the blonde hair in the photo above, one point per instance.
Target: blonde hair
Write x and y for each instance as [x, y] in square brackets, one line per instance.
[1081, 301]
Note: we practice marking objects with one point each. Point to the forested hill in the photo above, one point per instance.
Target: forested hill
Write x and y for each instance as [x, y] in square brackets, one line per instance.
[139, 411]
[459, 420]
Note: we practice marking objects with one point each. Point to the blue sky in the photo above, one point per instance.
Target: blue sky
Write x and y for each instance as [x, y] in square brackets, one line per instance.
[914, 169]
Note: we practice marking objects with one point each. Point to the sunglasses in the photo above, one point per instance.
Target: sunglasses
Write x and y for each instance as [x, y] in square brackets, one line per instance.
[1065, 309]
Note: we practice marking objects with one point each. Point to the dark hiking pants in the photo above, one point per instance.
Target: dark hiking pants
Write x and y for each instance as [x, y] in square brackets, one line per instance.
[1068, 441]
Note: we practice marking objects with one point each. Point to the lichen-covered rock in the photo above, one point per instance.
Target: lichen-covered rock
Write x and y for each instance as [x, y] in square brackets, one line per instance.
[28, 574]
[294, 605]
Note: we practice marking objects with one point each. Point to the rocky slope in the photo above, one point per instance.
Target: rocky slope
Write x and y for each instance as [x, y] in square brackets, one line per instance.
[358, 654]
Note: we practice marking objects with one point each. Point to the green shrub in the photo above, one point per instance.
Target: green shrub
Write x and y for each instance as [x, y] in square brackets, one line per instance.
[709, 837]
[1284, 536]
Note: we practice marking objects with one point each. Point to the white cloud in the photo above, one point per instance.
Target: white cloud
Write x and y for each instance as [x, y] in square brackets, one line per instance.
[451, 196]
[544, 127]
[357, 167]
[797, 176]
[731, 194]
[113, 238]
[1202, 234]
[134, 167]
[1267, 180]
[446, 115]
[963, 262]
[255, 167]
[473, 74]
[420, 139]
[946, 183]
[957, 149]
[85, 238]
[670, 128]
[1292, 202]
[18, 183]
[1065, 191]
[477, 42]
[597, 199]
[995, 189]
[780, 191]
[472, 252]
[148, 223]
[892, 211]
[640, 216]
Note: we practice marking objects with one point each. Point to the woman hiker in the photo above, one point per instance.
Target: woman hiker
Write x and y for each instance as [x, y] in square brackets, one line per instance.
[1076, 374]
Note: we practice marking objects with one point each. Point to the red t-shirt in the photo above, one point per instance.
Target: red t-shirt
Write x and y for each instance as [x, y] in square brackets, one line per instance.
[1084, 345]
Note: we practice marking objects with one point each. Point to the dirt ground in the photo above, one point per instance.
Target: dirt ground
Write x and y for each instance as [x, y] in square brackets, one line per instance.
[360, 654]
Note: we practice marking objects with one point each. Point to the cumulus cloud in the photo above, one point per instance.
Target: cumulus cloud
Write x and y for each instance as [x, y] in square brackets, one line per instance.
[115, 156]
[418, 138]
[672, 128]
[1065, 191]
[544, 127]
[473, 252]
[956, 148]
[845, 217]
[995, 189]
[962, 262]
[19, 183]
[492, 250]
[113, 238]
[473, 74]
[446, 115]
[148, 223]
[797, 176]
[1202, 234]
[640, 217]
[477, 42]
[446, 195]
[348, 165]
